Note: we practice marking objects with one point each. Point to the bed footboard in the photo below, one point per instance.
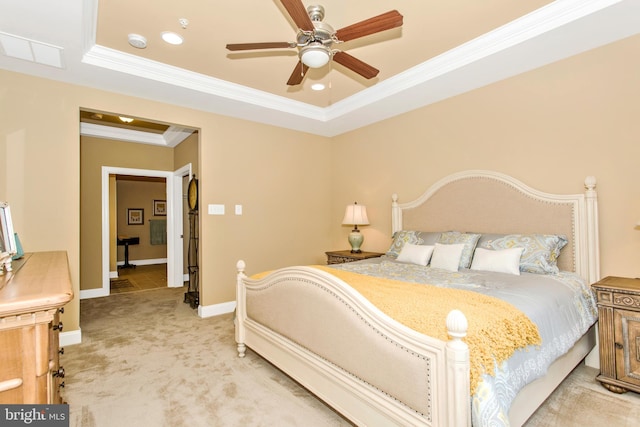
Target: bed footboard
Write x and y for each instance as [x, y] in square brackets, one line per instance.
[367, 366]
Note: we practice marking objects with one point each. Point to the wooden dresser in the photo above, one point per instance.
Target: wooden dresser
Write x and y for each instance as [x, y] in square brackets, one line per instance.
[31, 298]
[619, 333]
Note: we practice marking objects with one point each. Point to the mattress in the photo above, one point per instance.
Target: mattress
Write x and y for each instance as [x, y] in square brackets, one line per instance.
[561, 305]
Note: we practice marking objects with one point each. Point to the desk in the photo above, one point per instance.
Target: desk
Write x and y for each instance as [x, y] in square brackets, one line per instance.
[126, 241]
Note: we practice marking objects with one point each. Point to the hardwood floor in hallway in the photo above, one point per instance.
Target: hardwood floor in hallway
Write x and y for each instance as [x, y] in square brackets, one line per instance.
[142, 277]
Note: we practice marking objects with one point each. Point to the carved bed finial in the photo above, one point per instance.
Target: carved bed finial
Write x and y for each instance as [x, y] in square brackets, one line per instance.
[240, 266]
[457, 324]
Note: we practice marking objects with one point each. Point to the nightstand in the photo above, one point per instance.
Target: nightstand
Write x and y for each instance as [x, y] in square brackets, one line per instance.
[619, 333]
[340, 257]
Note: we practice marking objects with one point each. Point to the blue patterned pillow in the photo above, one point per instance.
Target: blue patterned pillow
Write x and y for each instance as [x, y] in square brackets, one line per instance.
[413, 237]
[541, 251]
[470, 241]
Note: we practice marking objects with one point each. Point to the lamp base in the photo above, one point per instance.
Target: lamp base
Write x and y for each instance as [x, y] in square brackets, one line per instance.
[355, 240]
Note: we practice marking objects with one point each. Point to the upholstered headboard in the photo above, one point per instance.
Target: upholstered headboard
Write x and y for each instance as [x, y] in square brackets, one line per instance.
[490, 202]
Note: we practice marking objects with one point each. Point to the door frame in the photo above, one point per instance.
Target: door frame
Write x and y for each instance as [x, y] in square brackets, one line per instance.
[175, 256]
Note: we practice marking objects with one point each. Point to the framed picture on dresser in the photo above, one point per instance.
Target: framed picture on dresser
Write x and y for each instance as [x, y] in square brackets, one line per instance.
[8, 246]
[7, 235]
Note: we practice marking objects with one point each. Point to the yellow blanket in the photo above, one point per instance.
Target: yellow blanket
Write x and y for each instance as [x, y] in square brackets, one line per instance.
[496, 328]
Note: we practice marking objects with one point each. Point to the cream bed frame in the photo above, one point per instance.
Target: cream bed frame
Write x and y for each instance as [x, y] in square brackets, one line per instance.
[372, 369]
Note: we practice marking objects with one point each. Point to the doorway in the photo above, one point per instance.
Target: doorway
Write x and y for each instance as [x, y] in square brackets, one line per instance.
[175, 224]
[104, 150]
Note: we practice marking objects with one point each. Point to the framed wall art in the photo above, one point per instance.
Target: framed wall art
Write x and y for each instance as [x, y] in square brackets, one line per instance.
[160, 207]
[135, 216]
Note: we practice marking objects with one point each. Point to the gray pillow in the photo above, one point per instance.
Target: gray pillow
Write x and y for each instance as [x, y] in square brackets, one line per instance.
[413, 237]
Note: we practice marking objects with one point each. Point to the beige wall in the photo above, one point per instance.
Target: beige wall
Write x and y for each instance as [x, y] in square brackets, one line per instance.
[39, 151]
[137, 194]
[549, 128]
[282, 179]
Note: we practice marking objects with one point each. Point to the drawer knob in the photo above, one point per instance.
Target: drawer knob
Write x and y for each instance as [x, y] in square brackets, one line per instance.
[59, 372]
[619, 346]
[58, 327]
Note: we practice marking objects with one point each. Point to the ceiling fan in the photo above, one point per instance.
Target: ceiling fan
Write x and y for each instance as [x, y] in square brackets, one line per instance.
[316, 38]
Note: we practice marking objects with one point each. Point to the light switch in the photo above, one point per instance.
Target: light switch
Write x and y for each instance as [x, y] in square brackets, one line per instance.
[216, 209]
[238, 209]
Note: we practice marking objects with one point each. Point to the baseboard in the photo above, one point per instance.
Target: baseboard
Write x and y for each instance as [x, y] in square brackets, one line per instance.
[145, 261]
[216, 309]
[70, 338]
[93, 293]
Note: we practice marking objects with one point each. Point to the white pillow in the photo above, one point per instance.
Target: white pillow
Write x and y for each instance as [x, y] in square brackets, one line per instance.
[415, 254]
[501, 261]
[447, 257]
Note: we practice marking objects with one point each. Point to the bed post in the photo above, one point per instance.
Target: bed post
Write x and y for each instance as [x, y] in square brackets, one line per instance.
[593, 255]
[593, 244]
[240, 308]
[396, 215]
[458, 371]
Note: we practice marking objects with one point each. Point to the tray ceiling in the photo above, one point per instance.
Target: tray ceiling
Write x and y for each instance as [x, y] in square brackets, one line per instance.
[444, 48]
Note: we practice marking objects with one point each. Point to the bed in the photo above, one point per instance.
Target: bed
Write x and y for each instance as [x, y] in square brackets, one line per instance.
[376, 370]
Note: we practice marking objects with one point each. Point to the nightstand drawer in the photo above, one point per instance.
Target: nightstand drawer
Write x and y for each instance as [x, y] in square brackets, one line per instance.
[626, 301]
[340, 257]
[604, 297]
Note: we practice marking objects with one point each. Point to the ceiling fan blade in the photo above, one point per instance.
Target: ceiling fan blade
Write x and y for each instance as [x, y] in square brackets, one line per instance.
[298, 74]
[266, 45]
[299, 14]
[355, 65]
[386, 21]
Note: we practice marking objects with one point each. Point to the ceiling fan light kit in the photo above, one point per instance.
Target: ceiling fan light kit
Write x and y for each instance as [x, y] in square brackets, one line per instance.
[315, 39]
[315, 55]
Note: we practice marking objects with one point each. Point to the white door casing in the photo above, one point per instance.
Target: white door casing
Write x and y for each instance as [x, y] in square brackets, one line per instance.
[175, 265]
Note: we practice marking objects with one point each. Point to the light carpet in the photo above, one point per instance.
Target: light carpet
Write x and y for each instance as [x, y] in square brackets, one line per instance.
[147, 359]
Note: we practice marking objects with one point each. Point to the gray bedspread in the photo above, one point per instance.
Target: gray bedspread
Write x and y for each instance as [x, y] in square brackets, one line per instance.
[561, 305]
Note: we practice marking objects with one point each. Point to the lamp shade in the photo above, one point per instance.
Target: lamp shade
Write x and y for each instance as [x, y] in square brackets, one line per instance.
[355, 215]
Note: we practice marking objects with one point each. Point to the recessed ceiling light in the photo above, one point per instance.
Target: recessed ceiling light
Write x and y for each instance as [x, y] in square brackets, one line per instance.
[317, 86]
[137, 41]
[171, 37]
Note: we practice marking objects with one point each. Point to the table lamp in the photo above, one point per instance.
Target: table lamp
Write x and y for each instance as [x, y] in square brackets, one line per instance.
[355, 215]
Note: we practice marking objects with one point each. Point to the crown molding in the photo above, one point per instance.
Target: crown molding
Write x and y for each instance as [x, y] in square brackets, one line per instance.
[170, 138]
